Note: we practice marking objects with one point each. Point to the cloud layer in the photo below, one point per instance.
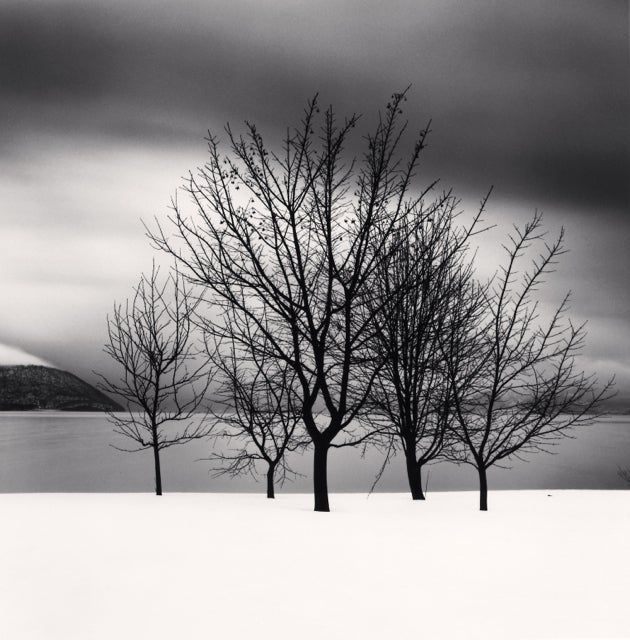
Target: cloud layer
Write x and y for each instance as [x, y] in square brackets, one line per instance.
[104, 107]
[14, 356]
[532, 96]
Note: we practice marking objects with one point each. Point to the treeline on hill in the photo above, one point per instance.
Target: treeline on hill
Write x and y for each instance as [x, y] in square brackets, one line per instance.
[331, 302]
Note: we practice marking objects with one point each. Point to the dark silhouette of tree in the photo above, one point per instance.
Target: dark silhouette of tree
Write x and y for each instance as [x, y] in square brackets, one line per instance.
[624, 474]
[517, 386]
[289, 242]
[261, 417]
[412, 395]
[163, 379]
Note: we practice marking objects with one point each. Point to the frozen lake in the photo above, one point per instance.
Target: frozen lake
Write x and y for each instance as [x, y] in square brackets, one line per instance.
[71, 452]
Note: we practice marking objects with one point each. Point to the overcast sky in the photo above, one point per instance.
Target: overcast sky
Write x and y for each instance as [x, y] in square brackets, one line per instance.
[104, 106]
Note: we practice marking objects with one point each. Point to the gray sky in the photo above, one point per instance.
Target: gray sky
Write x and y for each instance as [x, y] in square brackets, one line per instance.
[104, 107]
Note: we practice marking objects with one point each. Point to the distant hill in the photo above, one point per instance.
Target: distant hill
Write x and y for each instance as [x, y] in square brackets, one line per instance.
[31, 387]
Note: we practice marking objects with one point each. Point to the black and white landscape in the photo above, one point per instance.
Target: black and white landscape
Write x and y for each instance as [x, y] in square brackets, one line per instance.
[354, 257]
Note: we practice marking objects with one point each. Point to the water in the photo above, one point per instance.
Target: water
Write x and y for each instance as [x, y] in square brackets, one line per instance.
[72, 452]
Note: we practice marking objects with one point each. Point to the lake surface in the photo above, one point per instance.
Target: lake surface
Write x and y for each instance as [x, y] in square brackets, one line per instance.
[72, 452]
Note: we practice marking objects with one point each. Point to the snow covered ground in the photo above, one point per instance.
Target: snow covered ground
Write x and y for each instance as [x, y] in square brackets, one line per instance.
[233, 566]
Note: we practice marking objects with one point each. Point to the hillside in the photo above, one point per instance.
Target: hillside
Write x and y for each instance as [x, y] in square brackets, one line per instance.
[29, 387]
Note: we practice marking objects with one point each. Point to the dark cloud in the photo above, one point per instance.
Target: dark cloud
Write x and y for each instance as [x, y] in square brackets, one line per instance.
[102, 103]
[530, 96]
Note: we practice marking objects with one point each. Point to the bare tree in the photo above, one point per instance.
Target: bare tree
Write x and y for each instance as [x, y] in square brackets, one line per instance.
[412, 394]
[517, 386]
[261, 416]
[163, 381]
[289, 242]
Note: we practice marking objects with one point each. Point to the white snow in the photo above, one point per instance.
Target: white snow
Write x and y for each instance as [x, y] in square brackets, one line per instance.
[232, 566]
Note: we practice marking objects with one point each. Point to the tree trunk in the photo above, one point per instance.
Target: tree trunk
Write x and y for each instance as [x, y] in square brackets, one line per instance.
[320, 476]
[158, 472]
[483, 489]
[270, 489]
[414, 476]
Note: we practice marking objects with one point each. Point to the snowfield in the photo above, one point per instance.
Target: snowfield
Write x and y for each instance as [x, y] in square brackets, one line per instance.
[234, 566]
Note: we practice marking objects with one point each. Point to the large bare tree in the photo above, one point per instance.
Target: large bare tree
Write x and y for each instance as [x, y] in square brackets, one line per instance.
[163, 377]
[516, 380]
[288, 241]
[412, 396]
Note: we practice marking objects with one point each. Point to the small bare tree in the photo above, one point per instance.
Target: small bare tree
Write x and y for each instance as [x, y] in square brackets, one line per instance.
[163, 378]
[412, 394]
[289, 241]
[517, 386]
[261, 417]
